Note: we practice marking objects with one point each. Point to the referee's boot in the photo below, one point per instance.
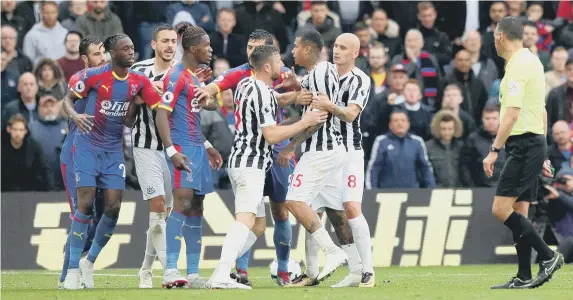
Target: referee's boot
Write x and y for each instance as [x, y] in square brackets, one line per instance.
[547, 269]
[513, 283]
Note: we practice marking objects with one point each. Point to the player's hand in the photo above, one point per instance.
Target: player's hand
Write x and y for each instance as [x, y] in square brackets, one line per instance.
[488, 163]
[138, 100]
[322, 102]
[304, 97]
[547, 169]
[553, 193]
[204, 74]
[201, 94]
[83, 121]
[289, 80]
[215, 159]
[180, 162]
[314, 117]
[284, 157]
[158, 86]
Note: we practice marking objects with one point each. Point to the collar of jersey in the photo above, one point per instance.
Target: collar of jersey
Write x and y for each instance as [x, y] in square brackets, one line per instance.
[120, 78]
[192, 73]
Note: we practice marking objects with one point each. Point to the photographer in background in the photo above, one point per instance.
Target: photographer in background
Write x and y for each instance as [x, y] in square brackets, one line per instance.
[560, 211]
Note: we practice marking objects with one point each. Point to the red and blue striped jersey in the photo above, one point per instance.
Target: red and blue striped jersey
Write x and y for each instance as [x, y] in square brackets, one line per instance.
[108, 99]
[179, 99]
[79, 107]
[231, 78]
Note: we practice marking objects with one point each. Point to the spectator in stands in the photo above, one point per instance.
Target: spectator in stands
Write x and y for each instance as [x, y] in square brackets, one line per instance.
[556, 76]
[363, 34]
[477, 147]
[351, 12]
[49, 131]
[50, 79]
[435, 41]
[516, 8]
[224, 42]
[530, 38]
[72, 62]
[216, 130]
[544, 29]
[377, 59]
[220, 66]
[100, 21]
[559, 103]
[497, 11]
[191, 11]
[474, 92]
[559, 153]
[26, 105]
[422, 66]
[324, 24]
[444, 149]
[228, 109]
[17, 21]
[253, 15]
[9, 81]
[484, 68]
[46, 39]
[386, 31]
[76, 8]
[419, 114]
[452, 100]
[17, 61]
[23, 163]
[399, 159]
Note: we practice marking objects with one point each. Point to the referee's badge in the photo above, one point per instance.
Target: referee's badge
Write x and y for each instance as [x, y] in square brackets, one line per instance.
[167, 97]
[80, 86]
[513, 88]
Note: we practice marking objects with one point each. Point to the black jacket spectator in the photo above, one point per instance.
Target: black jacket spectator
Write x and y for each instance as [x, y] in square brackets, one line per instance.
[250, 18]
[9, 87]
[18, 107]
[21, 63]
[236, 45]
[445, 160]
[437, 43]
[474, 92]
[18, 18]
[468, 123]
[556, 105]
[475, 149]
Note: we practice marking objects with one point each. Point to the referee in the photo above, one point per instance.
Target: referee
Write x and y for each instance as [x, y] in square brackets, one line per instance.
[522, 130]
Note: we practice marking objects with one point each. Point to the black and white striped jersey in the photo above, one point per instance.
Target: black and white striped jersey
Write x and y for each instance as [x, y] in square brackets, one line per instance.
[255, 108]
[144, 133]
[354, 89]
[323, 78]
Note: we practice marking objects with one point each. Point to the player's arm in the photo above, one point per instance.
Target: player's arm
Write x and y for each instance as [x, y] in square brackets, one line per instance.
[302, 97]
[228, 80]
[77, 91]
[359, 91]
[131, 115]
[513, 99]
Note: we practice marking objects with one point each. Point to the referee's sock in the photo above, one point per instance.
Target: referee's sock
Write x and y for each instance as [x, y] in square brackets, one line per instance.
[523, 258]
[526, 234]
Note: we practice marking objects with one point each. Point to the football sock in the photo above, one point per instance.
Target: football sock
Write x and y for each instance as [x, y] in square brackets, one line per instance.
[311, 256]
[192, 231]
[173, 239]
[150, 253]
[526, 234]
[234, 241]
[66, 258]
[354, 263]
[324, 241]
[243, 260]
[361, 234]
[523, 259]
[282, 238]
[251, 239]
[91, 234]
[157, 232]
[104, 231]
[80, 225]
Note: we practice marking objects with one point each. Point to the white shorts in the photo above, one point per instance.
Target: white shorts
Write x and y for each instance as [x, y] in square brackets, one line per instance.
[248, 186]
[153, 174]
[317, 179]
[353, 177]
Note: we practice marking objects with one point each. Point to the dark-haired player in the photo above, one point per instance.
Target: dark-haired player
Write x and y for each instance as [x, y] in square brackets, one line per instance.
[277, 180]
[247, 167]
[98, 156]
[92, 53]
[179, 123]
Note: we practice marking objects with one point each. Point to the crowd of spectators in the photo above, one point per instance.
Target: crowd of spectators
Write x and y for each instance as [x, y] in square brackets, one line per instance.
[433, 110]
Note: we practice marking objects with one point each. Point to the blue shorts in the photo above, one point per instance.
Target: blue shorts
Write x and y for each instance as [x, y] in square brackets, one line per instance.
[200, 178]
[277, 182]
[104, 170]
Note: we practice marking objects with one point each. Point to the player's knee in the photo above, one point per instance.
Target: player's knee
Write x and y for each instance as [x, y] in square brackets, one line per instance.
[196, 208]
[501, 208]
[352, 209]
[112, 209]
[157, 204]
[279, 211]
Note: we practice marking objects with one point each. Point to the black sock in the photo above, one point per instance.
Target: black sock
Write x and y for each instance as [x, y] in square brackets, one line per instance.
[523, 258]
[526, 234]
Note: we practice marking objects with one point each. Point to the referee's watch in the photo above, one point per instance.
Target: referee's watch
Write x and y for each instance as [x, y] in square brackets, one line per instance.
[494, 149]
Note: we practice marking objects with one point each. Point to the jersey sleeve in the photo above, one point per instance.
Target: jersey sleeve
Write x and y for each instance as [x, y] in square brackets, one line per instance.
[148, 93]
[514, 90]
[359, 91]
[86, 82]
[262, 100]
[173, 85]
[228, 80]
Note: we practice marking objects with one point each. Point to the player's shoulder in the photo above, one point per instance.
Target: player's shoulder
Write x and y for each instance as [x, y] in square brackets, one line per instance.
[360, 74]
[143, 64]
[324, 66]
[97, 70]
[176, 70]
[238, 69]
[527, 63]
[77, 76]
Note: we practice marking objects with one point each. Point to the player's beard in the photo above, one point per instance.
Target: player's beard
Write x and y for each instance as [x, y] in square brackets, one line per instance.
[275, 75]
[164, 56]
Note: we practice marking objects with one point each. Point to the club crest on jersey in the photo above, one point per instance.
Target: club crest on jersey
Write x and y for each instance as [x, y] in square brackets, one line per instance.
[168, 97]
[80, 86]
[189, 177]
[133, 89]
[345, 86]
[267, 109]
[363, 93]
[77, 177]
[195, 107]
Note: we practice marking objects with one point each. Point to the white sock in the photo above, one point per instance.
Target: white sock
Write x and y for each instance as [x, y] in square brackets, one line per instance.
[361, 233]
[251, 239]
[149, 252]
[324, 241]
[311, 255]
[354, 263]
[234, 241]
[157, 228]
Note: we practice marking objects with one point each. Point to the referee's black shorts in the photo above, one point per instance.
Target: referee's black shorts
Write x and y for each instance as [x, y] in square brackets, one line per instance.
[525, 156]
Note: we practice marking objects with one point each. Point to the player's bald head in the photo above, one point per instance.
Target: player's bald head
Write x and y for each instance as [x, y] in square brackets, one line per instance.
[350, 40]
[346, 49]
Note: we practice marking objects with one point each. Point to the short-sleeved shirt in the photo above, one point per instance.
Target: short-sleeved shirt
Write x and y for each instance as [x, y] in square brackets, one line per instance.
[523, 86]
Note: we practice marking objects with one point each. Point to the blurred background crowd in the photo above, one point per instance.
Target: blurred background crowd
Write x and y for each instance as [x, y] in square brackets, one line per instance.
[436, 61]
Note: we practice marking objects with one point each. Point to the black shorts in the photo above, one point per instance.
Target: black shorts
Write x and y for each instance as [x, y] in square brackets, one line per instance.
[525, 156]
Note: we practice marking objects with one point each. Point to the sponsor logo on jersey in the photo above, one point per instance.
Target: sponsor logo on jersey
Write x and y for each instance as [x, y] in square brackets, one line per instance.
[114, 108]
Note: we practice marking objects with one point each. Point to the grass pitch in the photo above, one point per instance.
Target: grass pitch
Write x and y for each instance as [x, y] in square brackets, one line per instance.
[465, 282]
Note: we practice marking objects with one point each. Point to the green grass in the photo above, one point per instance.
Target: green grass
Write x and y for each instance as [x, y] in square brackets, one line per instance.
[465, 282]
